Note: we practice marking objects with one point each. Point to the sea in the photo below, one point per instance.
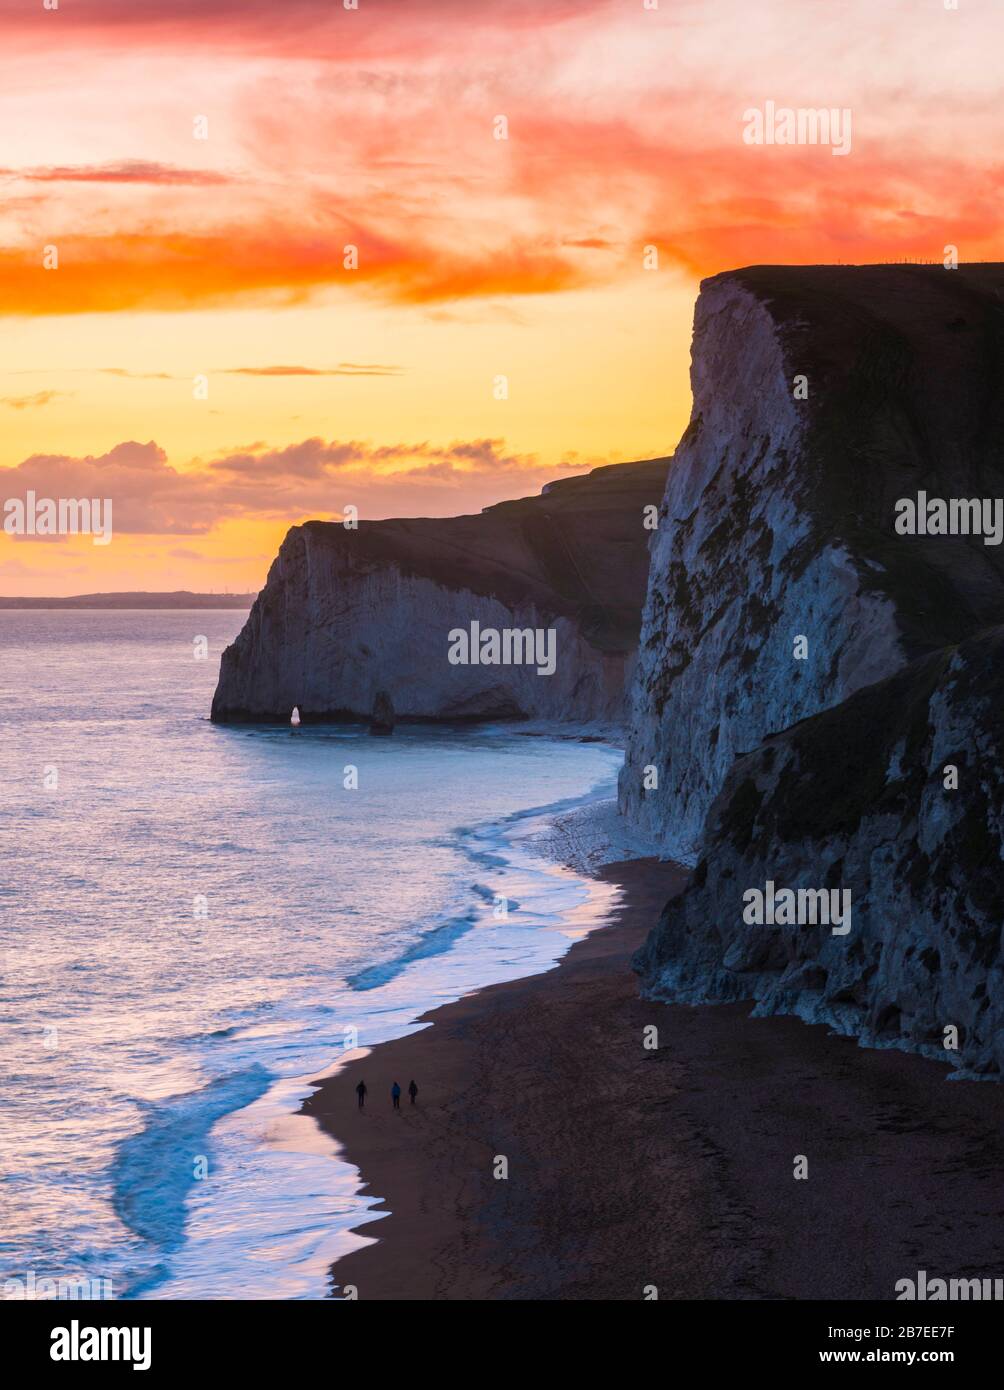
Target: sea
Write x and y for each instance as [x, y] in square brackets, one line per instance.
[198, 920]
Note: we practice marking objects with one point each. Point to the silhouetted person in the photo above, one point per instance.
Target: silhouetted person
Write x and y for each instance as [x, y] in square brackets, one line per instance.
[412, 1091]
[361, 1093]
[395, 1095]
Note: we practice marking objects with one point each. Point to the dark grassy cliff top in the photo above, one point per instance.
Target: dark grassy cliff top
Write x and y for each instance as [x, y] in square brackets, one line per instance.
[904, 365]
[579, 549]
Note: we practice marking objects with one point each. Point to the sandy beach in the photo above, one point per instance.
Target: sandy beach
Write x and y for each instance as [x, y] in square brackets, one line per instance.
[630, 1168]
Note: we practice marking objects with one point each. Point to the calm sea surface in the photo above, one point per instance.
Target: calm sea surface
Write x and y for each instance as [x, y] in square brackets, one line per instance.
[192, 921]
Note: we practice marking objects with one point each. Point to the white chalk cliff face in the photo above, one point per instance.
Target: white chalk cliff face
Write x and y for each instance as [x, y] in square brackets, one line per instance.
[348, 616]
[872, 769]
[778, 518]
[896, 799]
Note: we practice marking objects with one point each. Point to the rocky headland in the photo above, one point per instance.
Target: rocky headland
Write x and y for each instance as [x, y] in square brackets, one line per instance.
[820, 675]
[352, 616]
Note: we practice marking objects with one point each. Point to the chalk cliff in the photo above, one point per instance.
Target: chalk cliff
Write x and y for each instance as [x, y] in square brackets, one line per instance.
[347, 616]
[872, 767]
[778, 517]
[897, 796]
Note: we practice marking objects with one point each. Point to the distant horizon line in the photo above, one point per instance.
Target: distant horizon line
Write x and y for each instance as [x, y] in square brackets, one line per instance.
[129, 598]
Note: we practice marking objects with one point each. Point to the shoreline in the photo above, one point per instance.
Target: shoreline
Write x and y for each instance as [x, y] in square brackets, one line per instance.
[631, 1168]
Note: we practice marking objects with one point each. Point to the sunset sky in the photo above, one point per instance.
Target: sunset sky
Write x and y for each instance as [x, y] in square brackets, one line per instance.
[477, 257]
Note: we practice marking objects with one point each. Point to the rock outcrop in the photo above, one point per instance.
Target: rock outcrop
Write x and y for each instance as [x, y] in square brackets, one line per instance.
[896, 797]
[350, 615]
[778, 518]
[382, 719]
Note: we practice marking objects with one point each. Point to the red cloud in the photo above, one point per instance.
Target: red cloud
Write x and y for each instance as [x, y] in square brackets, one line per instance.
[396, 158]
[314, 477]
[317, 29]
[125, 171]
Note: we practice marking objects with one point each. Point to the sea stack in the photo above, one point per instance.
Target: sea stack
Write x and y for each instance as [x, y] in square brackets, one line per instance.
[382, 718]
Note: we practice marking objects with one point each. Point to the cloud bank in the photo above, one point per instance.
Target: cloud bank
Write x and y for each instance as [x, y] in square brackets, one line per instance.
[313, 478]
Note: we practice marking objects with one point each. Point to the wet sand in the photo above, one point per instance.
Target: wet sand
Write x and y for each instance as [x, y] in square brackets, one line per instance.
[630, 1168]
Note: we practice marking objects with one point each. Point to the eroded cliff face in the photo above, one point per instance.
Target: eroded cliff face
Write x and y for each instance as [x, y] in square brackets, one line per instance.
[778, 518]
[348, 615]
[863, 799]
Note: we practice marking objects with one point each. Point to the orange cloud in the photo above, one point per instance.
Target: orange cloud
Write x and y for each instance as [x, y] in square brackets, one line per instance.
[609, 149]
[28, 402]
[571, 203]
[178, 271]
[343, 369]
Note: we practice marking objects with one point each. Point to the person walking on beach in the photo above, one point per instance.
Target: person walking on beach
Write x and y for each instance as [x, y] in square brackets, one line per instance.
[395, 1095]
[412, 1091]
[361, 1093]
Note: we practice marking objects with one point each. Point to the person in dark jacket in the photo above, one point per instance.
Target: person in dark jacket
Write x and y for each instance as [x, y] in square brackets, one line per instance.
[412, 1091]
[361, 1093]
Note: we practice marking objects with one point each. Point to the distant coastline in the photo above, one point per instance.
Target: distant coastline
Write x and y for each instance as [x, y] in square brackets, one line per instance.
[178, 598]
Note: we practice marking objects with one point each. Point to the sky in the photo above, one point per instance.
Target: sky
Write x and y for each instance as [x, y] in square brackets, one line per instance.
[186, 330]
